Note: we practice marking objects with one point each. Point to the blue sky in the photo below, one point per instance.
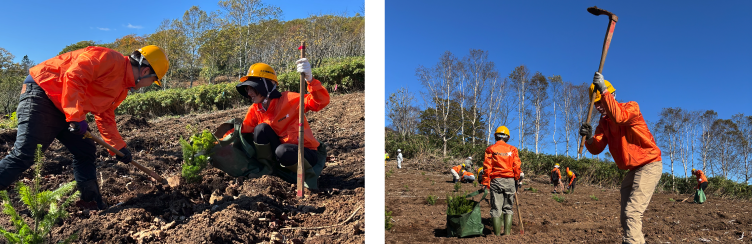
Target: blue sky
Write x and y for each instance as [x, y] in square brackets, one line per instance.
[695, 55]
[41, 29]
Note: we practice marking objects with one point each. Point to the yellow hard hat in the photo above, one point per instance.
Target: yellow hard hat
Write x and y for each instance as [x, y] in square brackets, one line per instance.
[502, 129]
[556, 165]
[480, 169]
[569, 173]
[463, 165]
[261, 70]
[609, 87]
[157, 60]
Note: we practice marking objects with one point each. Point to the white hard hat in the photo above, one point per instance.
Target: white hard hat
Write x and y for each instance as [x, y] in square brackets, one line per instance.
[399, 150]
[471, 158]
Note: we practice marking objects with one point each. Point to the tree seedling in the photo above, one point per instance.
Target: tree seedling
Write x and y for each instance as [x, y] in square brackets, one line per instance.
[594, 197]
[431, 200]
[558, 198]
[388, 219]
[457, 186]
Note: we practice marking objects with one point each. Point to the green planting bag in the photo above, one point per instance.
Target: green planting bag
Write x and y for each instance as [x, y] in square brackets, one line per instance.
[467, 224]
[235, 154]
[700, 196]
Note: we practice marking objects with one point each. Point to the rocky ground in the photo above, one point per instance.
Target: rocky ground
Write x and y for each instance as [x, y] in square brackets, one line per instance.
[219, 209]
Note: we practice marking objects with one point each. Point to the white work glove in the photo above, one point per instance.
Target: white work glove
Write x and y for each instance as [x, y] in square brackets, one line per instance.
[600, 85]
[305, 67]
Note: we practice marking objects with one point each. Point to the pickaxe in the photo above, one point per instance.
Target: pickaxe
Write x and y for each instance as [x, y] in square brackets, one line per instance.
[612, 19]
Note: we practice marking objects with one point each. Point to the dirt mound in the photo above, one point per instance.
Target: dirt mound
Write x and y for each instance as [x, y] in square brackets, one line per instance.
[219, 209]
[589, 215]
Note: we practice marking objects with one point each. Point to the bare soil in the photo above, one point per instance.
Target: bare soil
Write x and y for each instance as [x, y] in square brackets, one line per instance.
[579, 218]
[219, 209]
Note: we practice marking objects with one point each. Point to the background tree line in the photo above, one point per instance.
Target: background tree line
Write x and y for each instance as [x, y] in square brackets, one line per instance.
[214, 47]
[464, 100]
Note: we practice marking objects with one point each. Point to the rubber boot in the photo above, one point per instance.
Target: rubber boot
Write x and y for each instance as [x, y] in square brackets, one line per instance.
[308, 174]
[90, 193]
[507, 224]
[264, 151]
[496, 225]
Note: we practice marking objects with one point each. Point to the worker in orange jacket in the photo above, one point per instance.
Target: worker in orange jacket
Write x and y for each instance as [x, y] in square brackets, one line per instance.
[572, 180]
[273, 117]
[702, 180]
[556, 179]
[457, 172]
[502, 173]
[623, 129]
[467, 177]
[57, 95]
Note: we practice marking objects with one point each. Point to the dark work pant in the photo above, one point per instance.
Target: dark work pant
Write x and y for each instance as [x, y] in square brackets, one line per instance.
[40, 122]
[287, 154]
[704, 185]
[574, 183]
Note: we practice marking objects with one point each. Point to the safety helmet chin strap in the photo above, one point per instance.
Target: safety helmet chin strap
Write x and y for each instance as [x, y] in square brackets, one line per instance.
[140, 61]
[268, 93]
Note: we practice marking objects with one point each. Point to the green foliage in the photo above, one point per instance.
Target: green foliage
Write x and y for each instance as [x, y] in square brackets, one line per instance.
[558, 198]
[672, 200]
[11, 122]
[457, 186]
[423, 173]
[532, 189]
[81, 45]
[45, 208]
[431, 199]
[459, 204]
[475, 184]
[347, 73]
[196, 154]
[389, 173]
[592, 196]
[388, 219]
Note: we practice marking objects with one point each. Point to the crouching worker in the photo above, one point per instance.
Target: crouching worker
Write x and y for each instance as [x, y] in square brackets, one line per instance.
[57, 95]
[467, 177]
[457, 171]
[273, 118]
[501, 166]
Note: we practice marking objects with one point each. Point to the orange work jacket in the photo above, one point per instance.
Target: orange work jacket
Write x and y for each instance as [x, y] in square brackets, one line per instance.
[282, 114]
[458, 169]
[501, 161]
[625, 132]
[467, 173]
[700, 178]
[93, 79]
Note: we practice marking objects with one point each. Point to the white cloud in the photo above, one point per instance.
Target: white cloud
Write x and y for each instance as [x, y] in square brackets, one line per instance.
[134, 26]
[103, 29]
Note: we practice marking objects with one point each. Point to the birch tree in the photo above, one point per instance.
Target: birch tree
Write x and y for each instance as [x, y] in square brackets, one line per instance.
[520, 77]
[538, 95]
[744, 147]
[706, 139]
[440, 82]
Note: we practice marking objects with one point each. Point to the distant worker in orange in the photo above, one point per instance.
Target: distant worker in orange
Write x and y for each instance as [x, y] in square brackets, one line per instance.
[59, 93]
[623, 129]
[457, 172]
[556, 179]
[467, 177]
[702, 180]
[572, 180]
[502, 174]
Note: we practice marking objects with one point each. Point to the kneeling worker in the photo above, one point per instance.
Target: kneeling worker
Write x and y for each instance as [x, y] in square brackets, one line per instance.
[502, 172]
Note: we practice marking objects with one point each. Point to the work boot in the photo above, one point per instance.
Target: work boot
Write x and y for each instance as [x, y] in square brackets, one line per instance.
[90, 193]
[264, 151]
[496, 225]
[507, 224]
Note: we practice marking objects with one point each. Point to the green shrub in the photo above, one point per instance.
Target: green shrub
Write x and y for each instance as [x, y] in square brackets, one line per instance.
[44, 206]
[431, 200]
[196, 154]
[388, 219]
[594, 197]
[457, 186]
[475, 184]
[558, 198]
[11, 122]
[459, 204]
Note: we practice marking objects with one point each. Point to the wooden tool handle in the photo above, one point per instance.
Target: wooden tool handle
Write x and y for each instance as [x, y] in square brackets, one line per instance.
[301, 121]
[519, 213]
[117, 152]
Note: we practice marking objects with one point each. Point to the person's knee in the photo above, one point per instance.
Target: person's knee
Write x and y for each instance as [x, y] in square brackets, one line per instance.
[285, 155]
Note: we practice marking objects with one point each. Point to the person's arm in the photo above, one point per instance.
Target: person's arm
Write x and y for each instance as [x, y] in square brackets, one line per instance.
[516, 163]
[599, 141]
[487, 167]
[250, 122]
[317, 97]
[621, 114]
[571, 179]
[108, 127]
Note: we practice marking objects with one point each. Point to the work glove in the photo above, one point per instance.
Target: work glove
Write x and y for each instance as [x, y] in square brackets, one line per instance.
[79, 128]
[305, 67]
[600, 85]
[127, 156]
[587, 131]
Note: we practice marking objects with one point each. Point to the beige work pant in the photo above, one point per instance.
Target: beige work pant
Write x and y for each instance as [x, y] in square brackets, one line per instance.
[455, 175]
[636, 190]
[502, 196]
